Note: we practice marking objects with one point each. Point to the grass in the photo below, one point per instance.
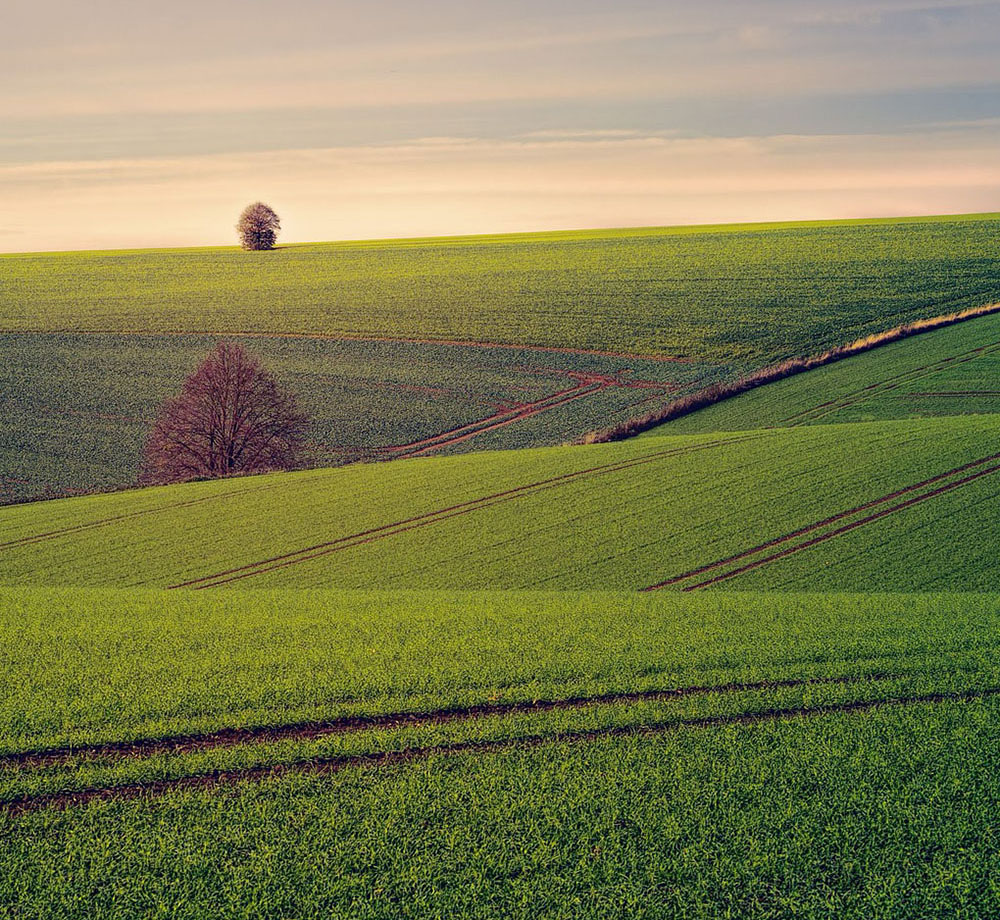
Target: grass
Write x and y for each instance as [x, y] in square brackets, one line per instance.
[695, 806]
[909, 503]
[759, 736]
[97, 665]
[889, 815]
[86, 370]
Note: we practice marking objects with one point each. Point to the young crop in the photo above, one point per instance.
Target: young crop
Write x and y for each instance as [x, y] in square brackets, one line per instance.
[626, 516]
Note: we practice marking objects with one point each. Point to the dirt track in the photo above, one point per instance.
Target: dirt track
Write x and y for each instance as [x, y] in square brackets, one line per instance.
[329, 765]
[230, 737]
[441, 514]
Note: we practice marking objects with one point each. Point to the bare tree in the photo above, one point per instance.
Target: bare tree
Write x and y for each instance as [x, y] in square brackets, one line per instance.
[230, 417]
[258, 226]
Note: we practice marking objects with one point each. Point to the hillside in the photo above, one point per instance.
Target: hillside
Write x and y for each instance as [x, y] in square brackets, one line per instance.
[777, 289]
[409, 726]
[852, 507]
[948, 371]
[739, 661]
[444, 346]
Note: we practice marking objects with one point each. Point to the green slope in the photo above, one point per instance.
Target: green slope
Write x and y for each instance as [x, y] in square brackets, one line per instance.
[92, 343]
[901, 505]
[949, 371]
[749, 294]
[98, 665]
[869, 795]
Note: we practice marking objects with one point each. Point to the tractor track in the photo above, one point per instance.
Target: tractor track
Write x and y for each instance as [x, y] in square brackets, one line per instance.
[498, 420]
[588, 384]
[441, 514]
[323, 766]
[947, 486]
[265, 734]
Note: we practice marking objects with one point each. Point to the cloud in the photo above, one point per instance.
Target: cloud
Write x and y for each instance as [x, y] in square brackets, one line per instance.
[310, 58]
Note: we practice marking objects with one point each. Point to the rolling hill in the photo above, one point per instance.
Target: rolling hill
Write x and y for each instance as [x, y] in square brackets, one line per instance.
[449, 345]
[707, 738]
[746, 661]
[852, 507]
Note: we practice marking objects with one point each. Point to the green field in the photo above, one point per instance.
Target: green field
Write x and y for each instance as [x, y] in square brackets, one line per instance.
[742, 666]
[874, 709]
[91, 343]
[949, 371]
[619, 516]
[782, 289]
[76, 409]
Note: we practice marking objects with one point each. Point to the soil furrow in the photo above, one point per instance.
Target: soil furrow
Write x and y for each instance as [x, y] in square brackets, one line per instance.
[498, 421]
[537, 405]
[264, 734]
[328, 765]
[810, 528]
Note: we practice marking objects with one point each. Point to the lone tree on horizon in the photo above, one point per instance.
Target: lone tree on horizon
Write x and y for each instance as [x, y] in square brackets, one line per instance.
[230, 417]
[258, 226]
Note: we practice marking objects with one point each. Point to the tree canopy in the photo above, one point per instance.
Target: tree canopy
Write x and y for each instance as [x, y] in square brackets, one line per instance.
[230, 417]
[258, 226]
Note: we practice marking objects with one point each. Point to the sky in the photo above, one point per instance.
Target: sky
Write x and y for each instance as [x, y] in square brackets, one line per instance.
[127, 123]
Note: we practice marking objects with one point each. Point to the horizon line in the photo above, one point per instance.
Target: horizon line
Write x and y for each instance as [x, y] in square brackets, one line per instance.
[510, 234]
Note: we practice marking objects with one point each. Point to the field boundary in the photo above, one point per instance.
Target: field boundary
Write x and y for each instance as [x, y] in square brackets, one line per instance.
[717, 392]
[323, 766]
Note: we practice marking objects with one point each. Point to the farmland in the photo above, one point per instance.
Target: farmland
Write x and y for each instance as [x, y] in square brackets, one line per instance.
[950, 371]
[870, 707]
[783, 289]
[743, 665]
[396, 347]
[879, 497]
[77, 408]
